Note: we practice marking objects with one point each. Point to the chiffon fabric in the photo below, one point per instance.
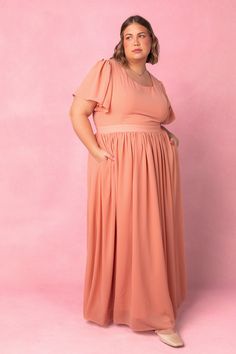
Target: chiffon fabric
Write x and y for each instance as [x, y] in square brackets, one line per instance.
[135, 269]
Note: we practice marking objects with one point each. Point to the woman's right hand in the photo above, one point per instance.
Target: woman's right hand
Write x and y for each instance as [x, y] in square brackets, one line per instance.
[101, 155]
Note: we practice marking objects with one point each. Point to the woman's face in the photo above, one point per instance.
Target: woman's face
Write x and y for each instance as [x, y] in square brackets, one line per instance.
[136, 36]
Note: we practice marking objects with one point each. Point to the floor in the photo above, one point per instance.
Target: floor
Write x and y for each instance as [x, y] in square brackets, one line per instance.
[52, 323]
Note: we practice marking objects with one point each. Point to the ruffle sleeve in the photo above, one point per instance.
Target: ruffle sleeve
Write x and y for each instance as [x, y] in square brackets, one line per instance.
[97, 85]
[171, 116]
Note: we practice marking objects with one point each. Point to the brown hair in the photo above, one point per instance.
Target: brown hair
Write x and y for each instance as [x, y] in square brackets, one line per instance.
[119, 53]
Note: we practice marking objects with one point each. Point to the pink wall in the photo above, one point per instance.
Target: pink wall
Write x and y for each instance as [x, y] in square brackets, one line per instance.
[46, 50]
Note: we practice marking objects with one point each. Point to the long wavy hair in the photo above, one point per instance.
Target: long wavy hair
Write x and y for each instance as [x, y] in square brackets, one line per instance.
[119, 53]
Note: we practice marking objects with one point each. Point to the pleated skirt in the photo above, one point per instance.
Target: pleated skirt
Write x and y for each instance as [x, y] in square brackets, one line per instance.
[135, 269]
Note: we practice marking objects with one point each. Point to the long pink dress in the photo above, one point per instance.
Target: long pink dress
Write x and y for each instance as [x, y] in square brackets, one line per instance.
[135, 271]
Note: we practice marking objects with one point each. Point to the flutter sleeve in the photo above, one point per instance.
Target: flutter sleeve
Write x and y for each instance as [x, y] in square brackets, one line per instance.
[171, 116]
[97, 85]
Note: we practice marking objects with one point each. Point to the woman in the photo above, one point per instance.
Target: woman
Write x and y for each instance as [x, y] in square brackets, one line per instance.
[135, 271]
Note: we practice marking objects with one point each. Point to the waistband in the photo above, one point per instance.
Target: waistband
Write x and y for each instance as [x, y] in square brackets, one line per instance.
[128, 127]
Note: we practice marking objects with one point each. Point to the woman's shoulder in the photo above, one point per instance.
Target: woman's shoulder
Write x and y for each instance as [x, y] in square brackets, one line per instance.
[100, 68]
[159, 83]
[112, 61]
[109, 65]
[104, 65]
[109, 61]
[156, 79]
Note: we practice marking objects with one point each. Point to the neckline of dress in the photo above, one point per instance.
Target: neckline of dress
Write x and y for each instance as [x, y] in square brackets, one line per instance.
[136, 82]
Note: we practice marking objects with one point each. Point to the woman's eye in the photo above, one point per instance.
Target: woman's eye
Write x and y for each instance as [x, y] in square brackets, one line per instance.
[141, 35]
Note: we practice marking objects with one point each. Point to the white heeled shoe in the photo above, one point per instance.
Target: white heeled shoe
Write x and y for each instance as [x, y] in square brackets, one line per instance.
[170, 337]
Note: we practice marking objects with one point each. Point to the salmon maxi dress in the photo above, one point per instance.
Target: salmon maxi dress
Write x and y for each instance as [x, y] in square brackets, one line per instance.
[135, 271]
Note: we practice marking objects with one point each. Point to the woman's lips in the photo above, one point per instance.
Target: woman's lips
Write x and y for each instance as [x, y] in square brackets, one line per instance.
[137, 50]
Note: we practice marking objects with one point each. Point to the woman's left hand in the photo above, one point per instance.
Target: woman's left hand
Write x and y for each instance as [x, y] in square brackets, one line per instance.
[174, 139]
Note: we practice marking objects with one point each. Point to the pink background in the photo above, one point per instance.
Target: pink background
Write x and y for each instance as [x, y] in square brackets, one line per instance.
[46, 49]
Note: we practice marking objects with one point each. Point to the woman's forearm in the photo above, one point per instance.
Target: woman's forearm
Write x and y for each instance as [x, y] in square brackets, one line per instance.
[83, 130]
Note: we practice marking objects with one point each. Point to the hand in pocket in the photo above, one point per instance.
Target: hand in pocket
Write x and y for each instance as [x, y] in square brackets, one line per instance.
[174, 140]
[102, 155]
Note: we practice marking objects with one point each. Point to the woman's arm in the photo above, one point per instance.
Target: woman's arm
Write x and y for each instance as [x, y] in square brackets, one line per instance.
[172, 137]
[79, 113]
